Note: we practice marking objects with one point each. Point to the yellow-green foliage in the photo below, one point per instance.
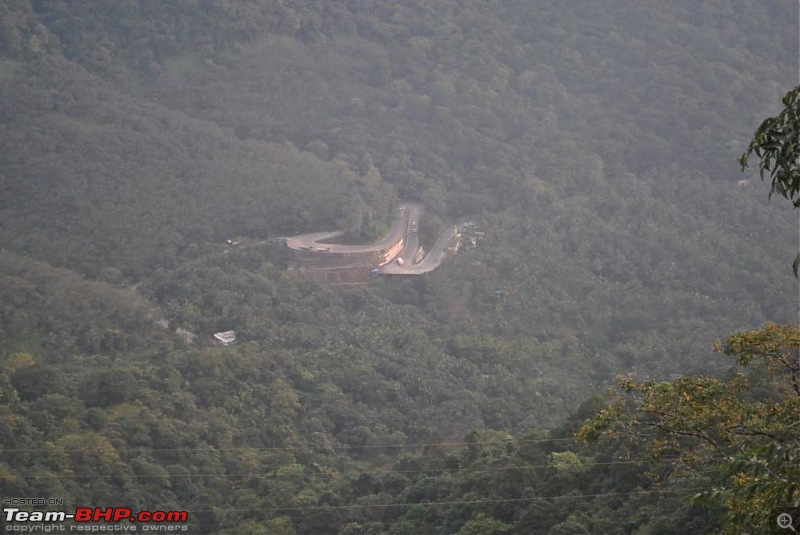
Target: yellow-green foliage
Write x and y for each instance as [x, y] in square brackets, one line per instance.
[742, 429]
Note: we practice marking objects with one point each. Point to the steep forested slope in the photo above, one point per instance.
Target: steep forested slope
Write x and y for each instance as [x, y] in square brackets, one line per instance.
[593, 145]
[96, 178]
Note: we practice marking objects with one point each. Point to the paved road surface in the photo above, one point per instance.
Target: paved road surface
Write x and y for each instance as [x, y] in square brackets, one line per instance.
[403, 226]
[310, 242]
[431, 261]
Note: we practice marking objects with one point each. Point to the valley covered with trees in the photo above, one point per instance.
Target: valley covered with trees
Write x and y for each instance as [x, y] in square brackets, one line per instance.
[615, 353]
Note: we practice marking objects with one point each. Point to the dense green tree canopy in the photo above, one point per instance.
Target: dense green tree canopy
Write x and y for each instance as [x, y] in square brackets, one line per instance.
[591, 147]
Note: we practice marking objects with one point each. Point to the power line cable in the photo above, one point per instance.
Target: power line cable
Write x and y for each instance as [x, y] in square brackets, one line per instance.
[303, 448]
[311, 447]
[449, 502]
[344, 473]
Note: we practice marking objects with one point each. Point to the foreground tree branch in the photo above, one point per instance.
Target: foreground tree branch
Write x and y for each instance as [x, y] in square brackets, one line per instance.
[742, 431]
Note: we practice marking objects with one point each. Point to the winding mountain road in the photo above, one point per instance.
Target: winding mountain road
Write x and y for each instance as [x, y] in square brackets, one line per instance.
[429, 262]
[405, 227]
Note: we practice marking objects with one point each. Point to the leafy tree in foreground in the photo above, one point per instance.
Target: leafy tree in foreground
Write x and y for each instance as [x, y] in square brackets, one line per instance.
[776, 143]
[741, 431]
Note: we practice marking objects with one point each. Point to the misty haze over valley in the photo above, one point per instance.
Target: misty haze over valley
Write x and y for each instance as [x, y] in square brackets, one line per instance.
[367, 267]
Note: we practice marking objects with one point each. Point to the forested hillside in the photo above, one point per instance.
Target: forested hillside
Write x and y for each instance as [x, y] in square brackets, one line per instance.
[593, 146]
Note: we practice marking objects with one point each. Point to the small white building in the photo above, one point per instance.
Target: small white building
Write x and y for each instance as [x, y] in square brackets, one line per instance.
[226, 337]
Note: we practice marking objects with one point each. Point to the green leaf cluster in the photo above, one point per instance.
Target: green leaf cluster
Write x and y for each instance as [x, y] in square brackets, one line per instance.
[776, 143]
